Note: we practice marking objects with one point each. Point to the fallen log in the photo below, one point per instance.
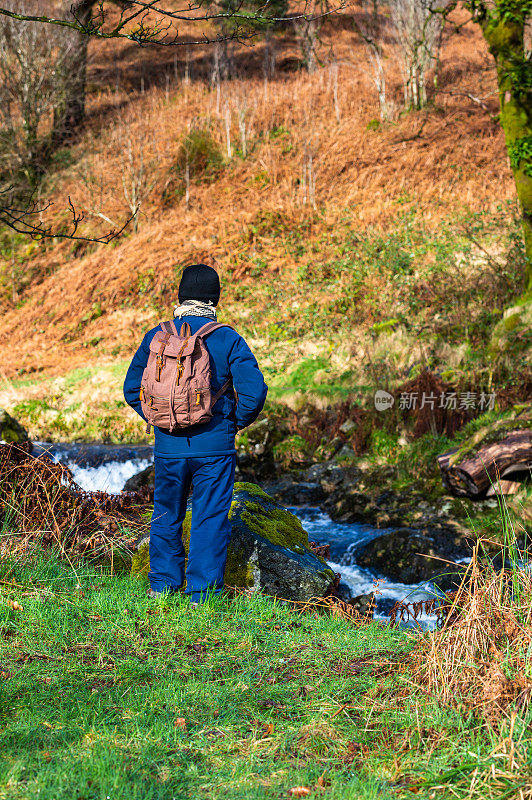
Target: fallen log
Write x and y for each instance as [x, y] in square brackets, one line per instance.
[482, 466]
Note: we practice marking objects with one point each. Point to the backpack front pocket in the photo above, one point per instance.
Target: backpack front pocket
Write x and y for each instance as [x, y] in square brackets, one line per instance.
[156, 410]
[199, 399]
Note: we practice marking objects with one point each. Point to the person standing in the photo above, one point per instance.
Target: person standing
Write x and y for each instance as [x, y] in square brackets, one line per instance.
[201, 456]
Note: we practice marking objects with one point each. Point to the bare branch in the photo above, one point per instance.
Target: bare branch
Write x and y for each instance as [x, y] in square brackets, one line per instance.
[23, 220]
[148, 23]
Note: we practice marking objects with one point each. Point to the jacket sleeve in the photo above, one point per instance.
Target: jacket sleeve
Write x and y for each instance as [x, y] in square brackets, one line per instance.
[134, 377]
[248, 383]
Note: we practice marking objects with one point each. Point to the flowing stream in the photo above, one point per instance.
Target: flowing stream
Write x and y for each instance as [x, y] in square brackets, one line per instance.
[108, 467]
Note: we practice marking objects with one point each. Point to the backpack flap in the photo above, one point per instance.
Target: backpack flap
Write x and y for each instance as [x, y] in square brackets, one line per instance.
[175, 346]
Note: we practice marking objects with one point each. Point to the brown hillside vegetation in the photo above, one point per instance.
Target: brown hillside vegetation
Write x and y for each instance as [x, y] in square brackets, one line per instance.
[314, 166]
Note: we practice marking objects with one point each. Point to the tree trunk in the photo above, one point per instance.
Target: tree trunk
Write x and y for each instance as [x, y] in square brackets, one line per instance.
[70, 111]
[307, 33]
[505, 35]
[496, 460]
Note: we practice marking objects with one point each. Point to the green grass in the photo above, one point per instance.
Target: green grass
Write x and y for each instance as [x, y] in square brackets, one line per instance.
[315, 378]
[104, 694]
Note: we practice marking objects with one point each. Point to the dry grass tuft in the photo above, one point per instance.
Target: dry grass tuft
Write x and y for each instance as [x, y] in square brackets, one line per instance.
[337, 608]
[480, 658]
[42, 505]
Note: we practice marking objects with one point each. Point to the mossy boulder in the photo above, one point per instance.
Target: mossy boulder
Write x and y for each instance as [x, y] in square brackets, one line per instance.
[268, 551]
[10, 429]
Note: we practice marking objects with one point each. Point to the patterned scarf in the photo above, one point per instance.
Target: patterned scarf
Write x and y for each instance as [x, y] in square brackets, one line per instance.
[195, 308]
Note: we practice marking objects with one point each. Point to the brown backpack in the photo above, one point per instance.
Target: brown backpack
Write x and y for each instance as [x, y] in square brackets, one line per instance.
[176, 388]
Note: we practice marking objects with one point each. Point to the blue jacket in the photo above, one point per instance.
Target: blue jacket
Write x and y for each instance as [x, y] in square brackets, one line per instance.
[230, 358]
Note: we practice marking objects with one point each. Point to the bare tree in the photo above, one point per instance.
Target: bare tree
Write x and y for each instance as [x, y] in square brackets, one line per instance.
[27, 218]
[374, 27]
[223, 65]
[146, 22]
[418, 33]
[70, 110]
[33, 62]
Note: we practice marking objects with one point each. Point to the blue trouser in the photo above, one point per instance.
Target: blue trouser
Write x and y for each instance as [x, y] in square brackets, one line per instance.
[212, 480]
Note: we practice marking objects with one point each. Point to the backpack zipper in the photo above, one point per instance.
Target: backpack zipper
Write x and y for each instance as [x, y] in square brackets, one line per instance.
[156, 397]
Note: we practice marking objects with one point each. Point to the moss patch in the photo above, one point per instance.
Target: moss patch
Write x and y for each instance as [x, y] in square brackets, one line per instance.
[10, 429]
[187, 522]
[238, 570]
[250, 488]
[140, 560]
[277, 525]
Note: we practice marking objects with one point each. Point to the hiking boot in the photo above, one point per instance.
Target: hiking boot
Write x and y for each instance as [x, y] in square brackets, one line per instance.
[153, 595]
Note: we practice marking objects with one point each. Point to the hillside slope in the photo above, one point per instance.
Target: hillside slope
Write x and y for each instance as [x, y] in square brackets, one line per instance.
[323, 222]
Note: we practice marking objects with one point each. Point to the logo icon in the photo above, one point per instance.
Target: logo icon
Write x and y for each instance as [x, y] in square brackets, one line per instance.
[383, 400]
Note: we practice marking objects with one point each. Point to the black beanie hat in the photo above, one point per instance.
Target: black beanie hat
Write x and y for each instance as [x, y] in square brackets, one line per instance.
[199, 282]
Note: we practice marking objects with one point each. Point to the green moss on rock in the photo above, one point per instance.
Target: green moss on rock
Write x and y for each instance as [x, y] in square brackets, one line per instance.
[512, 335]
[250, 488]
[10, 429]
[517, 419]
[279, 526]
[140, 560]
[238, 570]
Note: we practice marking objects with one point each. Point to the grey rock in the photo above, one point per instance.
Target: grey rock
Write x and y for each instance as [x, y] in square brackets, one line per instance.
[268, 550]
[347, 426]
[409, 555]
[349, 506]
[143, 479]
[363, 602]
[327, 472]
[346, 453]
[255, 449]
[296, 494]
[344, 592]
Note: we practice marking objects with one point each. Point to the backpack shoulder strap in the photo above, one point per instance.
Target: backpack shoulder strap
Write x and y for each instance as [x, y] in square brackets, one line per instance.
[209, 327]
[222, 390]
[169, 327]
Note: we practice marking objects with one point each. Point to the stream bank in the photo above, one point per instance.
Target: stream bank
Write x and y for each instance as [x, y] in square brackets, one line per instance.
[109, 467]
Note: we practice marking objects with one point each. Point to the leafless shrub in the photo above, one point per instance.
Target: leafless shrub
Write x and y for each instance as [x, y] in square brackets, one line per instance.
[481, 655]
[140, 160]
